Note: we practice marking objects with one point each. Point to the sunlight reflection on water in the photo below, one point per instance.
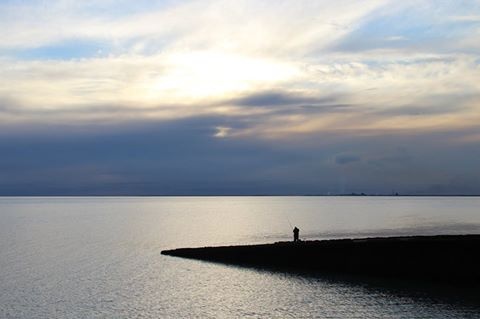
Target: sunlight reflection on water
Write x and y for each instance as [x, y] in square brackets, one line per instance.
[100, 257]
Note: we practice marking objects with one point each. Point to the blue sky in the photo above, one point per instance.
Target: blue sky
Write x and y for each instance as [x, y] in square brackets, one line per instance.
[239, 97]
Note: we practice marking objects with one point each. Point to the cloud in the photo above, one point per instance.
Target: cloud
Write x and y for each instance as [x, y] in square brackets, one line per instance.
[414, 27]
[237, 93]
[222, 131]
[189, 24]
[280, 98]
[170, 60]
[465, 18]
[344, 159]
[185, 157]
[126, 88]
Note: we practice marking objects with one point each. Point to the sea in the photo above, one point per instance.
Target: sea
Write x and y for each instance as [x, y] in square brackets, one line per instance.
[99, 257]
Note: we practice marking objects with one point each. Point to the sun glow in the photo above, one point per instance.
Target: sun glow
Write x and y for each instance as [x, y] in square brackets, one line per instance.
[209, 74]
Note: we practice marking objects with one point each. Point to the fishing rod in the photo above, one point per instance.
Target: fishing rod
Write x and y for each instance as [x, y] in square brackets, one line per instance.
[288, 219]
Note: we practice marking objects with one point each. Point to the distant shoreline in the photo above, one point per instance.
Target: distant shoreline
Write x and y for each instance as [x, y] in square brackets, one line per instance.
[251, 195]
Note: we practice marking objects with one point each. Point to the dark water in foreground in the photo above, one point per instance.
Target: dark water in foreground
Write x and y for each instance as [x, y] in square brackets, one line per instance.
[100, 257]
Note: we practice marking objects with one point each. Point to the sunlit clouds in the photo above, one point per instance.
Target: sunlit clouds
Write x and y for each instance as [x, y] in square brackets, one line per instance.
[166, 60]
[306, 74]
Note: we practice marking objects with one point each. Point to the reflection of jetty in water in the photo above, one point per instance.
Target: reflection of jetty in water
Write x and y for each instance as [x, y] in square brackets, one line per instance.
[453, 258]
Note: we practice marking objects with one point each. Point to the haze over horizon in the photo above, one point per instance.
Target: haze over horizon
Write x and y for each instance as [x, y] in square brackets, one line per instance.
[239, 97]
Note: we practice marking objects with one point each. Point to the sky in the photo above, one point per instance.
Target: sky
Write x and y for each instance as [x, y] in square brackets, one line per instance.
[239, 97]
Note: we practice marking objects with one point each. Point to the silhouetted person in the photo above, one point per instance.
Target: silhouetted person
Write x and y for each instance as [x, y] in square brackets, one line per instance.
[296, 231]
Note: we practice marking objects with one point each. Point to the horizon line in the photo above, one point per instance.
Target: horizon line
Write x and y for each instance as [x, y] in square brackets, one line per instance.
[251, 195]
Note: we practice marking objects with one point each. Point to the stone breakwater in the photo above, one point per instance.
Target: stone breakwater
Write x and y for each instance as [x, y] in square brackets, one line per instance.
[452, 258]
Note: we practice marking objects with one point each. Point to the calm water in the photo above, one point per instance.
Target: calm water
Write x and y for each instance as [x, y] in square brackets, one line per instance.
[100, 257]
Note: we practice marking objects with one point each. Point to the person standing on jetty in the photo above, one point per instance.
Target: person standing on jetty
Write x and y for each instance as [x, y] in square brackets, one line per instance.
[296, 232]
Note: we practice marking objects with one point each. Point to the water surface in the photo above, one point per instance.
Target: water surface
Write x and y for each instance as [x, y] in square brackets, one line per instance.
[100, 257]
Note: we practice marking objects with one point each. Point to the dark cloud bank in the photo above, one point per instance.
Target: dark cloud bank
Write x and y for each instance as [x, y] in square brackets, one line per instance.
[184, 158]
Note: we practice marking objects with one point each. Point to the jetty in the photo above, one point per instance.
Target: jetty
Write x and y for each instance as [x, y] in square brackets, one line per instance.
[447, 258]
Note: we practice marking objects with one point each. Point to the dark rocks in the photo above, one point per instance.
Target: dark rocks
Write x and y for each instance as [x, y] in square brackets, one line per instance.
[453, 259]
